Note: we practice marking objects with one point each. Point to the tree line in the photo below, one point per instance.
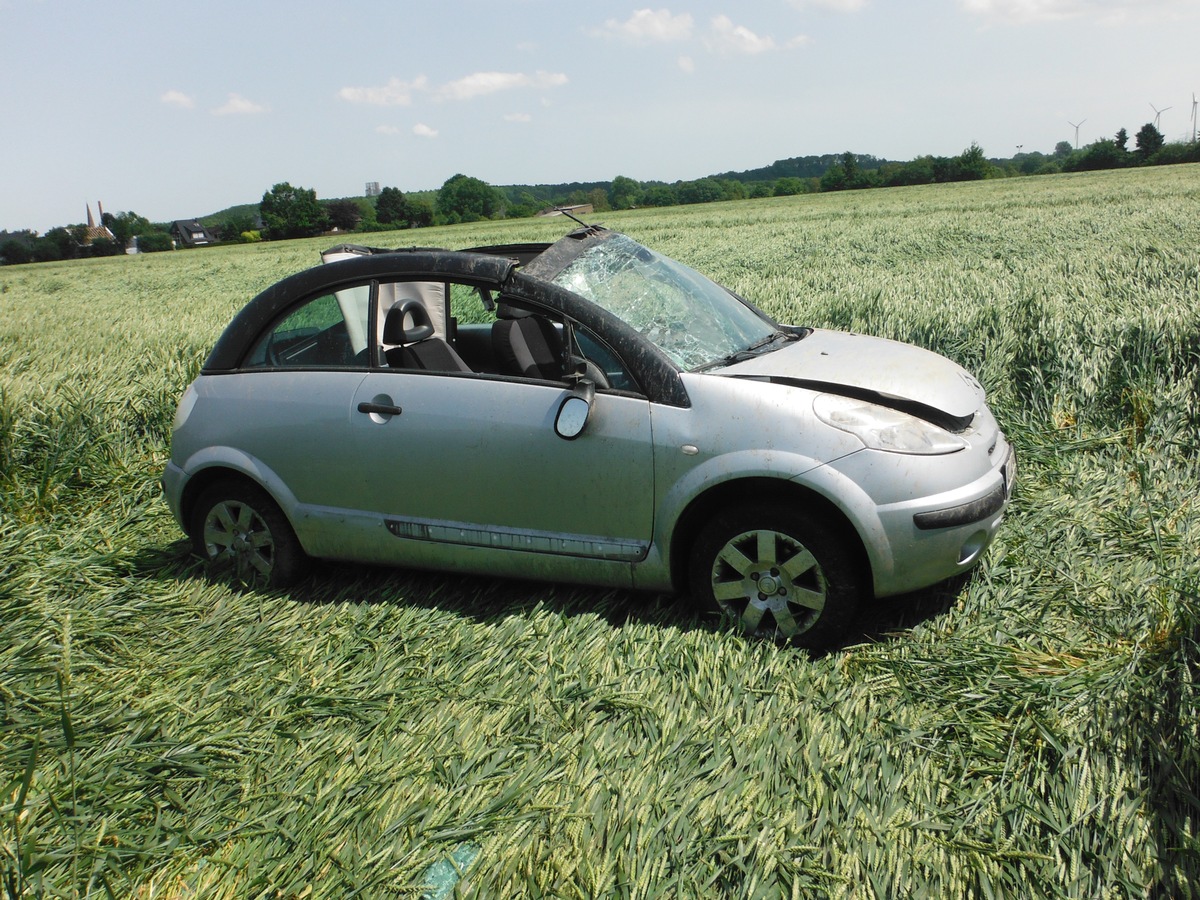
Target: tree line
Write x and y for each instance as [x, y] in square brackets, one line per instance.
[286, 211]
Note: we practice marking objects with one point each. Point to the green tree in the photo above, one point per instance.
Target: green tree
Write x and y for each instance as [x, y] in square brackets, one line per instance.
[291, 212]
[466, 199]
[419, 212]
[835, 178]
[13, 252]
[235, 225]
[1122, 140]
[154, 242]
[972, 165]
[58, 243]
[1177, 152]
[787, 187]
[732, 189]
[1029, 163]
[344, 215]
[1101, 154]
[704, 190]
[1149, 140]
[598, 197]
[105, 247]
[659, 195]
[917, 171]
[624, 193]
[850, 166]
[391, 207]
[1063, 149]
[125, 226]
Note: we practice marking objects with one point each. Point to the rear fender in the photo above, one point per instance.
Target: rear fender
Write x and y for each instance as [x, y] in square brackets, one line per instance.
[209, 464]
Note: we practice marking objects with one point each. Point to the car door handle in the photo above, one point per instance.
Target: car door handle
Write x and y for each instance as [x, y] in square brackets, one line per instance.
[380, 409]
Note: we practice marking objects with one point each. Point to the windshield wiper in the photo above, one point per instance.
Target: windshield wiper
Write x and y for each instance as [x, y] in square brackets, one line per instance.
[771, 339]
[755, 349]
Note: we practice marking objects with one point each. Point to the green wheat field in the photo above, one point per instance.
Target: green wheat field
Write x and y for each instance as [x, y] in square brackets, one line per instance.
[1031, 731]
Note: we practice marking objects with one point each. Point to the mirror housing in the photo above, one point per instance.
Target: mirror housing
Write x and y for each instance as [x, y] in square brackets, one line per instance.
[574, 411]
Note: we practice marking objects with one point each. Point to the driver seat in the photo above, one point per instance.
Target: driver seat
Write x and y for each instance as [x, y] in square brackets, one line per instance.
[416, 346]
[526, 344]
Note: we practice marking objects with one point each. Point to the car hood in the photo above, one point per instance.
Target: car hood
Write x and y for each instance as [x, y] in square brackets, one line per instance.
[887, 372]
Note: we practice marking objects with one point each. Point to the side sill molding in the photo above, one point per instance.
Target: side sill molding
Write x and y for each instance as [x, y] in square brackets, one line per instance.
[470, 535]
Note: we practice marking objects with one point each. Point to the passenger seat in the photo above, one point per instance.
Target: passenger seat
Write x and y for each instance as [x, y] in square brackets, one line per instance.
[417, 347]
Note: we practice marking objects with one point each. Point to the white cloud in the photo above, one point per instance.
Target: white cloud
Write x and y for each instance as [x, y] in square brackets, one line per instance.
[844, 6]
[178, 98]
[237, 105]
[647, 26]
[687, 64]
[394, 93]
[482, 83]
[800, 40]
[729, 38]
[1023, 10]
[387, 129]
[423, 130]
[518, 117]
[1020, 12]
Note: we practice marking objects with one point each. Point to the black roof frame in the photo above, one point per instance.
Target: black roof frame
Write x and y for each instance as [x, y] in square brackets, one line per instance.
[482, 267]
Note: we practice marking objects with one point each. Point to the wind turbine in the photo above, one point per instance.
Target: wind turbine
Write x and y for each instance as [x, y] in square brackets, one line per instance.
[1076, 127]
[1158, 112]
[1193, 117]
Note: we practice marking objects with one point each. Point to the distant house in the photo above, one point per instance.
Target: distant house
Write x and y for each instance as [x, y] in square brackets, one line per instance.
[190, 233]
[582, 209]
[94, 232]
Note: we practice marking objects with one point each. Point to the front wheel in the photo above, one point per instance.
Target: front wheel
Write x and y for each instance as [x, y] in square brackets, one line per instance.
[777, 573]
[245, 537]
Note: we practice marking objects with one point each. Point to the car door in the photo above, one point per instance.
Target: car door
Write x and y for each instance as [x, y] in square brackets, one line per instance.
[288, 408]
[468, 462]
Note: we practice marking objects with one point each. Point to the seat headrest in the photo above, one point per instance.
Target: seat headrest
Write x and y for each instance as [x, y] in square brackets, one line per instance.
[508, 311]
[410, 310]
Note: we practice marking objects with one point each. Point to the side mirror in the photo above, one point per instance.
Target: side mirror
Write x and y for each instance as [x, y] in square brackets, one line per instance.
[574, 411]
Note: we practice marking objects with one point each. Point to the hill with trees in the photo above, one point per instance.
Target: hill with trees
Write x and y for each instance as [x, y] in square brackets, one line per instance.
[286, 211]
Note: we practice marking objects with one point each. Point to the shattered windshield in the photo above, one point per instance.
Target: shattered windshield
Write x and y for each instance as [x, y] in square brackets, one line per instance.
[693, 320]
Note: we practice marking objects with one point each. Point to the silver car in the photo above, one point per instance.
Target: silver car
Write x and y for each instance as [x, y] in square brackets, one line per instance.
[587, 411]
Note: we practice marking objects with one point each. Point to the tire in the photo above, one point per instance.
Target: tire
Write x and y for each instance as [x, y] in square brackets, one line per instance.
[778, 574]
[245, 537]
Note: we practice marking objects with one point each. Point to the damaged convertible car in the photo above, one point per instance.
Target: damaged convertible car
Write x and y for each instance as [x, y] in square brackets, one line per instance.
[588, 411]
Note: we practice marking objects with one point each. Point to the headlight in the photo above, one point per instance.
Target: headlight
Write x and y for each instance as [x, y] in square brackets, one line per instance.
[881, 428]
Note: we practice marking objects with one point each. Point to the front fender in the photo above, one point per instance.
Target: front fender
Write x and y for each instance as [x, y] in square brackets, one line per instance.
[744, 465]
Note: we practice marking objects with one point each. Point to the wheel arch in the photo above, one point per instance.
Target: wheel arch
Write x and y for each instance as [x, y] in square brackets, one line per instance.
[745, 491]
[205, 478]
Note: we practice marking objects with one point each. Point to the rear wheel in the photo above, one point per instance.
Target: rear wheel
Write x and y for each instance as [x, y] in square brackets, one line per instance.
[245, 537]
[777, 573]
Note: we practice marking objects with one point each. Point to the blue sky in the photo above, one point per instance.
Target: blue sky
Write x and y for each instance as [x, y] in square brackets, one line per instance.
[177, 110]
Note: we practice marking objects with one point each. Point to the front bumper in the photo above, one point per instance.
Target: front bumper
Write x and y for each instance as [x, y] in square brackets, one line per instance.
[932, 539]
[925, 519]
[975, 510]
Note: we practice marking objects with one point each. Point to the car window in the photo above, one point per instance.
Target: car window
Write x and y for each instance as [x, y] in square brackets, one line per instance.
[605, 367]
[328, 331]
[468, 305]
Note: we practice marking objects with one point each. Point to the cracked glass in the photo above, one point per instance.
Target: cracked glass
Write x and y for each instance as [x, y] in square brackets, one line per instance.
[693, 320]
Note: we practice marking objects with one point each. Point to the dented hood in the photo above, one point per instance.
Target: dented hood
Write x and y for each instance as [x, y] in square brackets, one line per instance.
[864, 366]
